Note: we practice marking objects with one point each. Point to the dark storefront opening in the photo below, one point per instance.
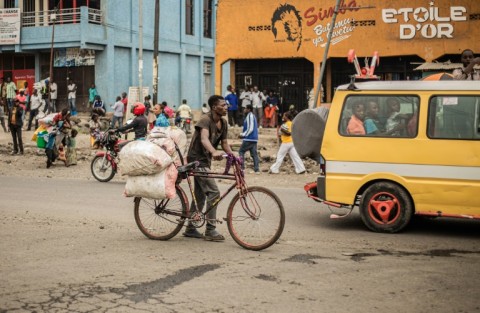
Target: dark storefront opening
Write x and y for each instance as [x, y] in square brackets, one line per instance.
[291, 79]
[390, 68]
[82, 76]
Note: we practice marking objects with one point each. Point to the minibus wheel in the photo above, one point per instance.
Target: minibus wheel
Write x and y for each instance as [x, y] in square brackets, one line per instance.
[385, 207]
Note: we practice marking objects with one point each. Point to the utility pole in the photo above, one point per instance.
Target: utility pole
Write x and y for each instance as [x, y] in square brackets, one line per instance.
[329, 38]
[53, 18]
[140, 50]
[155, 51]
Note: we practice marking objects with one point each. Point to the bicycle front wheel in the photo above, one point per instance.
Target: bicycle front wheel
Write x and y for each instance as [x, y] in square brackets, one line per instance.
[161, 219]
[255, 221]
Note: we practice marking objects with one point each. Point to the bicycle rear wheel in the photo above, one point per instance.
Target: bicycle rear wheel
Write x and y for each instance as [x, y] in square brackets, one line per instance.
[161, 219]
[256, 220]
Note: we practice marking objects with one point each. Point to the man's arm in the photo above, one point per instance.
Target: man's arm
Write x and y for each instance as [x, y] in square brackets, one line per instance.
[470, 66]
[226, 146]
[204, 138]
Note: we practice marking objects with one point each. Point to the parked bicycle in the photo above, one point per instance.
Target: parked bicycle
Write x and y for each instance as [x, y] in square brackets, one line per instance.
[255, 216]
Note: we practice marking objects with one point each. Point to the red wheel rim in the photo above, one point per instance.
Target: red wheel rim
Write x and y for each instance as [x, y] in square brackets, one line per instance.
[384, 208]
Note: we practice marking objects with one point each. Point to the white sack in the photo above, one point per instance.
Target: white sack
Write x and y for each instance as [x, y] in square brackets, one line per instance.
[143, 158]
[156, 186]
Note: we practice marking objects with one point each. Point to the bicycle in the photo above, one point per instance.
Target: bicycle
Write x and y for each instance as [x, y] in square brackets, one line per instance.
[255, 216]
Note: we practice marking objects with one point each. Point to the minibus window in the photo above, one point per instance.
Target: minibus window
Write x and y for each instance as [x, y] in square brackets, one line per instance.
[454, 117]
[380, 116]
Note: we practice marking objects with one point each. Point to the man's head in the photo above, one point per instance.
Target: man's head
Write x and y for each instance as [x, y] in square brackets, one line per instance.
[118, 98]
[21, 92]
[124, 94]
[35, 91]
[248, 108]
[8, 79]
[70, 81]
[184, 101]
[138, 108]
[229, 88]
[92, 86]
[467, 56]
[218, 105]
[163, 104]
[291, 107]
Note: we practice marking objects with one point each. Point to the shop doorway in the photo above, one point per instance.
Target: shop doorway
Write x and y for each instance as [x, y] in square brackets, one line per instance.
[290, 79]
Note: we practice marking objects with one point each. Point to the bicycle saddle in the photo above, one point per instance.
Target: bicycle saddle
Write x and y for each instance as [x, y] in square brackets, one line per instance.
[188, 167]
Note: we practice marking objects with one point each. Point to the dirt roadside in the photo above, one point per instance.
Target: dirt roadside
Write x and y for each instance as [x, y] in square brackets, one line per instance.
[33, 162]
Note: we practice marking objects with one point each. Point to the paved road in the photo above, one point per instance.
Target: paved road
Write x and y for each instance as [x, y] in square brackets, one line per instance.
[73, 246]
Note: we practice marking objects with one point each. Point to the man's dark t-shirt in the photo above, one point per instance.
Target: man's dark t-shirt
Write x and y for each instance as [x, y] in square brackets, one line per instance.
[197, 152]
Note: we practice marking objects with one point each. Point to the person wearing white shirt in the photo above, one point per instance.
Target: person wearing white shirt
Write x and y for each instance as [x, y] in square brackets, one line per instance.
[53, 96]
[257, 102]
[117, 112]
[35, 103]
[72, 94]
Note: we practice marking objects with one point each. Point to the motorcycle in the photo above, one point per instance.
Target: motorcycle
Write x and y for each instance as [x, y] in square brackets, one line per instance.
[105, 163]
[184, 124]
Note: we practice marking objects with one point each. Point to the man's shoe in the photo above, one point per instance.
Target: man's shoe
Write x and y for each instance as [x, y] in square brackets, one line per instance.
[213, 235]
[192, 233]
[13, 152]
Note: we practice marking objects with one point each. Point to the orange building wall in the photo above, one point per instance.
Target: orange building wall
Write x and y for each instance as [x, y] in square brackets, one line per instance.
[244, 29]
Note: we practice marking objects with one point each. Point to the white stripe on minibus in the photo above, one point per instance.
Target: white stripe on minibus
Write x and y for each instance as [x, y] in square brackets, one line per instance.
[405, 170]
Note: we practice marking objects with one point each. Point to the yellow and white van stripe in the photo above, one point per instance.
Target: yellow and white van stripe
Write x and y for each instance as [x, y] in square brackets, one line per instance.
[405, 170]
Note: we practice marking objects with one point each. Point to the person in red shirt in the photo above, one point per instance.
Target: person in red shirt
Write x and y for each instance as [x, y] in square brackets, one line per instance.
[125, 102]
[168, 111]
[355, 125]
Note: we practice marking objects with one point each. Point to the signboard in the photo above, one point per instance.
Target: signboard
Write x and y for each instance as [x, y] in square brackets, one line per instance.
[70, 57]
[10, 26]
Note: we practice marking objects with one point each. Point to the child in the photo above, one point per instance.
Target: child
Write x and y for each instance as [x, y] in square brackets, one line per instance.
[372, 124]
[95, 134]
[355, 125]
[71, 149]
[98, 106]
[394, 124]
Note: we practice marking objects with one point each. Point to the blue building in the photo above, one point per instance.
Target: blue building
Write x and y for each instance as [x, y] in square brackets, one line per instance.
[97, 41]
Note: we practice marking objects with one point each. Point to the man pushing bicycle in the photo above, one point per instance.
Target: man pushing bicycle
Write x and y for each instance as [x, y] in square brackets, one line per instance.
[210, 131]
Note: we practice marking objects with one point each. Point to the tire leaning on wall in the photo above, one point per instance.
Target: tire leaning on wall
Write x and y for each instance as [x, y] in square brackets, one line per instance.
[307, 132]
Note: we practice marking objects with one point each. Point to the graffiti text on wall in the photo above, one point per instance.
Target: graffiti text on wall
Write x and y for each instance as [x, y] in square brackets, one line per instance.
[312, 17]
[340, 32]
[419, 21]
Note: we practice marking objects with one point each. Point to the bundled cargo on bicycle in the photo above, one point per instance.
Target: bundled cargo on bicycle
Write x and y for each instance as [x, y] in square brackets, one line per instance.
[150, 164]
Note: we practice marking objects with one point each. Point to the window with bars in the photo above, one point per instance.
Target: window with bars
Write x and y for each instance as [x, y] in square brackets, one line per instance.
[189, 9]
[207, 18]
[28, 5]
[8, 4]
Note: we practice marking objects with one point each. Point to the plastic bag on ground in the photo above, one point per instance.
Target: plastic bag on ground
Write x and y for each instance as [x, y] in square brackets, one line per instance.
[143, 158]
[156, 186]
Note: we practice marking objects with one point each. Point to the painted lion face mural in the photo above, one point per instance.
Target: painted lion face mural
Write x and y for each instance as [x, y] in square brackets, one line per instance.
[287, 24]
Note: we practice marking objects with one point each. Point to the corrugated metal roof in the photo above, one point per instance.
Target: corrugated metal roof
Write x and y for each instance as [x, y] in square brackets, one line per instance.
[440, 66]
